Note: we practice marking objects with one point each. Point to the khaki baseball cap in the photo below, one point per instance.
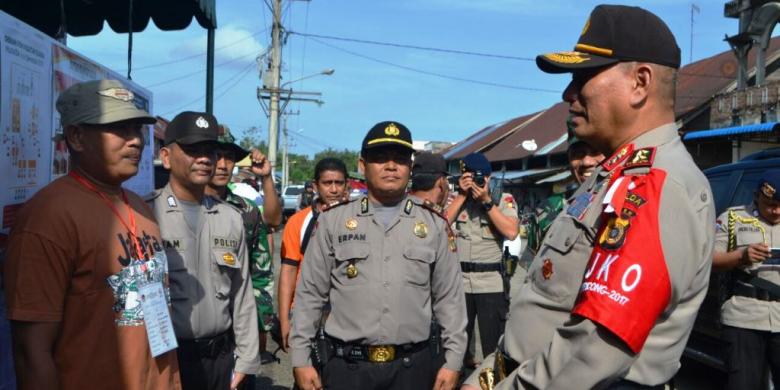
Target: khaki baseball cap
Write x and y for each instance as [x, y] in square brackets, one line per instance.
[99, 102]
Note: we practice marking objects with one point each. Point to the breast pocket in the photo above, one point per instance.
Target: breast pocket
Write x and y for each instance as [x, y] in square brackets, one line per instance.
[747, 235]
[350, 268]
[556, 272]
[226, 270]
[418, 265]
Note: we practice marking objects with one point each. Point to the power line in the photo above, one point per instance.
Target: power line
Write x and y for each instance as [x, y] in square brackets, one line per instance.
[196, 55]
[406, 46]
[452, 51]
[186, 75]
[243, 72]
[425, 72]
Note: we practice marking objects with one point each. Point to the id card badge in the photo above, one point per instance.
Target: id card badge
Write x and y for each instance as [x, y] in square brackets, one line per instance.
[157, 318]
[154, 300]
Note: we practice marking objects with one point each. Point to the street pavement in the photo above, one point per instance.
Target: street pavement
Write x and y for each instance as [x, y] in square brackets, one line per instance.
[278, 376]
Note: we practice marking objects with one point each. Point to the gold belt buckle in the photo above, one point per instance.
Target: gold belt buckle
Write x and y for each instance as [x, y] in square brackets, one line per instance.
[381, 353]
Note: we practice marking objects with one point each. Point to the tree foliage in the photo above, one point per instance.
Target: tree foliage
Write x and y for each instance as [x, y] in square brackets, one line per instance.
[301, 166]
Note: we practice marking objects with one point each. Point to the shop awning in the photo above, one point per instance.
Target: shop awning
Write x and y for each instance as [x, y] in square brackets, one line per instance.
[82, 17]
[514, 176]
[732, 131]
[560, 176]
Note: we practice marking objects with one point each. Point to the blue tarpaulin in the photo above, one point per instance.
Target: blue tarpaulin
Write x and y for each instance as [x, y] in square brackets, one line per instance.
[730, 131]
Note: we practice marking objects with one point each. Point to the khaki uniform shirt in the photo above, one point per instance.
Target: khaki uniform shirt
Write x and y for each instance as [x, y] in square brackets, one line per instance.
[605, 300]
[746, 312]
[480, 242]
[405, 272]
[211, 291]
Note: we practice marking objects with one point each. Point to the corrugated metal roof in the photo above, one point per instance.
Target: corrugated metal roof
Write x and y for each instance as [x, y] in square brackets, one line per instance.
[543, 130]
[560, 176]
[729, 131]
[486, 137]
[699, 81]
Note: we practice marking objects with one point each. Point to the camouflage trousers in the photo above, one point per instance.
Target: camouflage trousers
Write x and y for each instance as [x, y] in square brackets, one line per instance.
[263, 286]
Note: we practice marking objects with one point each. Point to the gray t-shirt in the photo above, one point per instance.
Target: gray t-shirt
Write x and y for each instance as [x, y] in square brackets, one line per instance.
[385, 213]
[191, 211]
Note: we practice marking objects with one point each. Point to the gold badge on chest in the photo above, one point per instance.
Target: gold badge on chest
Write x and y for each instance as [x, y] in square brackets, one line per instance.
[351, 224]
[420, 229]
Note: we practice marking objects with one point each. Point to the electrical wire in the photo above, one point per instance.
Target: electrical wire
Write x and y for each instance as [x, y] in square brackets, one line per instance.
[416, 47]
[452, 51]
[242, 73]
[425, 72]
[186, 75]
[176, 61]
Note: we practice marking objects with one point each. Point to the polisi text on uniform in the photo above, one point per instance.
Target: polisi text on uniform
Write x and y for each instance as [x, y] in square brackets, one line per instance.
[225, 243]
[351, 237]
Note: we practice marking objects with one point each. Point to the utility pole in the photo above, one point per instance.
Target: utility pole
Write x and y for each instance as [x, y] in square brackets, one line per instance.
[276, 62]
[286, 148]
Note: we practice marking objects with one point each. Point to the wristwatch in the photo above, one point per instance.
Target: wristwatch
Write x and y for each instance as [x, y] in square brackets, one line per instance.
[487, 205]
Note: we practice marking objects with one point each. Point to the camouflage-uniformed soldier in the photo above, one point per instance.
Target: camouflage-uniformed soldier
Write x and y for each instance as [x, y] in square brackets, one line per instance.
[613, 292]
[744, 240]
[257, 222]
[386, 264]
[481, 226]
[214, 313]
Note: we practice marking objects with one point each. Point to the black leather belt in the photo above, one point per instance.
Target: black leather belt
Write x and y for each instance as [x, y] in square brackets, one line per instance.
[375, 353]
[466, 266]
[744, 290]
[208, 346]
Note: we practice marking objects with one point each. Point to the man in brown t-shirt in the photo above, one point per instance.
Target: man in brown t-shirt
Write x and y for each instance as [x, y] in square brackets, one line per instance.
[76, 253]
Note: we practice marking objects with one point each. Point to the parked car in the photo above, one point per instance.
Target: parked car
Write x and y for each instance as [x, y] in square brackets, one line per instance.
[732, 185]
[291, 197]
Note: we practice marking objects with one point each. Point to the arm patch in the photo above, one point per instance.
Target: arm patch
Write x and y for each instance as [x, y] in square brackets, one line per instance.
[627, 285]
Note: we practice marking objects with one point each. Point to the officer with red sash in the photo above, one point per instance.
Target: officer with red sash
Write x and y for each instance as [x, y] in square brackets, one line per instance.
[613, 292]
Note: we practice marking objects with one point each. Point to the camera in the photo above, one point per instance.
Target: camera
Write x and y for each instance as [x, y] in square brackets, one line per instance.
[479, 179]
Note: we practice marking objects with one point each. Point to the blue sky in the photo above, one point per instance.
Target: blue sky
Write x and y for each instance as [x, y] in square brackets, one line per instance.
[365, 87]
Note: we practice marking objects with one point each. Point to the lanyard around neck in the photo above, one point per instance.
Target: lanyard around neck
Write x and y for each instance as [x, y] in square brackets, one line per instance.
[131, 227]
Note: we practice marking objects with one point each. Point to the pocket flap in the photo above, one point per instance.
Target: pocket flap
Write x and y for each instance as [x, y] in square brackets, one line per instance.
[562, 236]
[226, 258]
[426, 255]
[351, 251]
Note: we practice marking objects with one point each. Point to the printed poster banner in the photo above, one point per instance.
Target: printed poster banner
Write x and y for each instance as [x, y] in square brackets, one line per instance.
[34, 70]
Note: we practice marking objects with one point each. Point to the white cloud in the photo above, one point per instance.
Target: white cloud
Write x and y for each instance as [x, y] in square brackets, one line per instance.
[235, 44]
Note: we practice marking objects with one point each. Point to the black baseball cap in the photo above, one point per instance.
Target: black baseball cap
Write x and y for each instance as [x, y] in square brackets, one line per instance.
[616, 33]
[430, 163]
[387, 133]
[190, 127]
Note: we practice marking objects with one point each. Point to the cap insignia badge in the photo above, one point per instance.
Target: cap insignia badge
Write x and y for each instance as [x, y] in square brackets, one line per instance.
[118, 94]
[420, 229]
[202, 123]
[352, 271]
[547, 269]
[392, 130]
[351, 224]
[229, 259]
[567, 57]
[768, 190]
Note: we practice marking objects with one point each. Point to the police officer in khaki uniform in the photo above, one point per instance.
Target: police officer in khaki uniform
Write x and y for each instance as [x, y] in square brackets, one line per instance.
[481, 226]
[214, 313]
[429, 180]
[386, 264]
[743, 242]
[611, 296]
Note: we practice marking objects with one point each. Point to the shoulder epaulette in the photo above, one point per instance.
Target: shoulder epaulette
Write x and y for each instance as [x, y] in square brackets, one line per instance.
[150, 197]
[334, 205]
[433, 207]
